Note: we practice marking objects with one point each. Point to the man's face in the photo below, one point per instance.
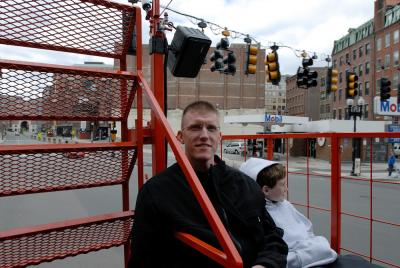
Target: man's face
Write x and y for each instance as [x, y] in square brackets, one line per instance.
[201, 136]
[277, 193]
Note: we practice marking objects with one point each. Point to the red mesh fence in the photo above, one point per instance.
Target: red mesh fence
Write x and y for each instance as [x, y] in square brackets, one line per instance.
[44, 171]
[52, 92]
[59, 240]
[93, 27]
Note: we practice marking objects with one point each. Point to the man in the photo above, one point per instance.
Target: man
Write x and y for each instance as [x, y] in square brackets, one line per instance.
[166, 205]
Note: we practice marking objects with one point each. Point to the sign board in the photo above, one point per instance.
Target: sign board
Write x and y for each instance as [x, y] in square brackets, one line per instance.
[389, 107]
[273, 118]
[394, 128]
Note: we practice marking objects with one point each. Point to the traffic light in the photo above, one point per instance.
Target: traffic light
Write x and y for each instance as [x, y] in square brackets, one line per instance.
[272, 67]
[351, 85]
[305, 77]
[217, 59]
[385, 89]
[332, 80]
[230, 61]
[251, 62]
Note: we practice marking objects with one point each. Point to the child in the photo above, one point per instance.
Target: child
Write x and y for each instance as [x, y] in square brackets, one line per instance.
[391, 162]
[305, 249]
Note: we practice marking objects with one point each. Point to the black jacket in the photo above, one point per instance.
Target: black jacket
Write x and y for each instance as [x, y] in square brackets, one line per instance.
[166, 204]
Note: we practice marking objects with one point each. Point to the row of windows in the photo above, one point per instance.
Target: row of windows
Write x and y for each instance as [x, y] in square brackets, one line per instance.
[341, 116]
[386, 64]
[387, 40]
[361, 49]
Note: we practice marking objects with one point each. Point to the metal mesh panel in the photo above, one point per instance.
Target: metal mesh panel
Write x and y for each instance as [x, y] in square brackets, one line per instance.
[53, 244]
[49, 94]
[93, 27]
[51, 171]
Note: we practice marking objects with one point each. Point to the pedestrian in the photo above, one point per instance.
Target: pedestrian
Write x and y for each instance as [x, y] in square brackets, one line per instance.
[305, 248]
[391, 163]
[166, 205]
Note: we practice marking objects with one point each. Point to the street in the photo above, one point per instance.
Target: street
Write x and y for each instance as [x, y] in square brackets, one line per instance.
[27, 210]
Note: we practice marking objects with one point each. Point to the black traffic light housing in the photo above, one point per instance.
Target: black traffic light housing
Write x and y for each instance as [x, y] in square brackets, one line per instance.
[385, 88]
[187, 51]
[217, 59]
[351, 85]
[305, 77]
[229, 61]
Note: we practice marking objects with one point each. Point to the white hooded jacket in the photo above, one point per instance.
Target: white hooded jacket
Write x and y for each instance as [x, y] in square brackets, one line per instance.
[305, 249]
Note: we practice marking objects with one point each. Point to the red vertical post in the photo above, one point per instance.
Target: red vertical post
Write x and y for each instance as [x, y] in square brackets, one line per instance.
[157, 86]
[335, 194]
[371, 192]
[308, 176]
[270, 148]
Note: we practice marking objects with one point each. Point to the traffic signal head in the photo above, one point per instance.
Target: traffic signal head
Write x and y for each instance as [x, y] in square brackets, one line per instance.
[307, 62]
[223, 44]
[312, 79]
[251, 62]
[272, 68]
[332, 80]
[302, 77]
[216, 58]
[351, 85]
[385, 89]
[230, 61]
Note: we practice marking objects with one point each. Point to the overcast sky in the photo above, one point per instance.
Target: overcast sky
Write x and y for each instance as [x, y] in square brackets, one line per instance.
[310, 25]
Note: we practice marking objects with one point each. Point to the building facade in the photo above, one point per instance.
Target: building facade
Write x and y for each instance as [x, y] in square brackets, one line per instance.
[275, 97]
[372, 52]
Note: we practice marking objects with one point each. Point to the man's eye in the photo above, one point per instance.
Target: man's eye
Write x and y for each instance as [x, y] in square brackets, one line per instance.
[196, 127]
[212, 128]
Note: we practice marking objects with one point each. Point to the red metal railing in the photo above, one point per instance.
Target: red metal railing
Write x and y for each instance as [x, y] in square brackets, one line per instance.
[337, 179]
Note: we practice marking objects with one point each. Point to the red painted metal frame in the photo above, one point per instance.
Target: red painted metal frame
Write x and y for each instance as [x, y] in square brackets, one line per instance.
[231, 257]
[336, 178]
[106, 3]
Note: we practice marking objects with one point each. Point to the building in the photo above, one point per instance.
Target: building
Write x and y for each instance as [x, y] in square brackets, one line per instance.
[275, 97]
[307, 102]
[372, 52]
[226, 92]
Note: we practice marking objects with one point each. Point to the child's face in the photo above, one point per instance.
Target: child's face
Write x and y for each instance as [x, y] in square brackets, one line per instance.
[277, 193]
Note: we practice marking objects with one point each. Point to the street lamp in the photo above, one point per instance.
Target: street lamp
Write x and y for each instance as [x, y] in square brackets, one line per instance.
[354, 111]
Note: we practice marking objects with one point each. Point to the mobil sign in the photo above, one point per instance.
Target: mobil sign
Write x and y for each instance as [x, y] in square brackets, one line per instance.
[389, 107]
[273, 118]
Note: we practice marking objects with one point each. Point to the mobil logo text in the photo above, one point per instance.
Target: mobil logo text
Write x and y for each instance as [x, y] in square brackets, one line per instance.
[273, 118]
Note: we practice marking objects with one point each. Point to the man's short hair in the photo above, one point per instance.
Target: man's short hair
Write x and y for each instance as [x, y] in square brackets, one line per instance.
[270, 175]
[200, 106]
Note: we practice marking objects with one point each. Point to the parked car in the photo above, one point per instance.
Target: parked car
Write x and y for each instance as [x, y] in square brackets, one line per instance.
[74, 155]
[234, 148]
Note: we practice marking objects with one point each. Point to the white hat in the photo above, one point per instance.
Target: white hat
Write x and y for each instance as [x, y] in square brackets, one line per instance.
[254, 165]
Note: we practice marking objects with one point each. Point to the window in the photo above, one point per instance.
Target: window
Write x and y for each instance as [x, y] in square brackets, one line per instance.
[334, 114]
[387, 60]
[360, 52]
[340, 78]
[355, 69]
[334, 96]
[387, 40]
[334, 63]
[323, 79]
[366, 111]
[367, 48]
[367, 67]
[354, 54]
[347, 58]
[379, 65]
[340, 94]
[395, 58]
[378, 44]
[340, 61]
[366, 91]
[360, 89]
[340, 114]
[360, 70]
[395, 80]
[322, 109]
[396, 37]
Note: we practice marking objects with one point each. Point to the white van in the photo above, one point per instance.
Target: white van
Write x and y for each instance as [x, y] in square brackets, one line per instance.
[235, 147]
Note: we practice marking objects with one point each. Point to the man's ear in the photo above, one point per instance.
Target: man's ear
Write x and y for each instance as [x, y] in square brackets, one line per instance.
[180, 137]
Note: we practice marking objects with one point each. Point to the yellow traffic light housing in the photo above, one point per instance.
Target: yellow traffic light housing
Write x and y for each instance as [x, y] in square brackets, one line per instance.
[332, 80]
[272, 68]
[351, 85]
[251, 63]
